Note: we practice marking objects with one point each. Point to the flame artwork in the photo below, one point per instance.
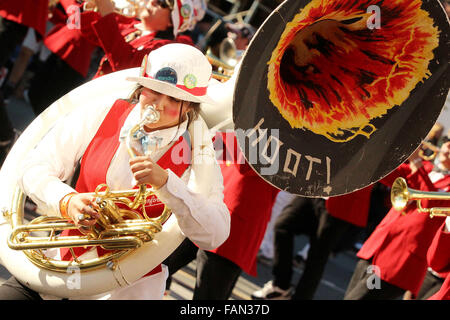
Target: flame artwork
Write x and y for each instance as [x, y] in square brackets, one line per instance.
[332, 74]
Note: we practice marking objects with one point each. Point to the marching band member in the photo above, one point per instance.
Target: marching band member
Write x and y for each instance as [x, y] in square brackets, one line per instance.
[174, 80]
[395, 253]
[67, 66]
[249, 199]
[126, 40]
[15, 19]
[438, 259]
[325, 222]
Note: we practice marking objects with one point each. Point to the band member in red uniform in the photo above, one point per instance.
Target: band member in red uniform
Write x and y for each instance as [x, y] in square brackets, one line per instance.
[172, 83]
[15, 19]
[325, 222]
[394, 256]
[250, 200]
[68, 65]
[29, 13]
[125, 41]
[438, 259]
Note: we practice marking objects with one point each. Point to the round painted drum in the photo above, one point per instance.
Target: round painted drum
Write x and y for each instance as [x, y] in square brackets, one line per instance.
[333, 95]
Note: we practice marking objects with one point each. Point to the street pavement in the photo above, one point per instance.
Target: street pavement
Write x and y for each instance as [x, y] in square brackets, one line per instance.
[337, 274]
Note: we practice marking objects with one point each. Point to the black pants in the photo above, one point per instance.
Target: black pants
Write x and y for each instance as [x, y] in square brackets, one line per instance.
[14, 290]
[54, 79]
[216, 275]
[6, 128]
[11, 36]
[361, 285]
[305, 216]
[431, 284]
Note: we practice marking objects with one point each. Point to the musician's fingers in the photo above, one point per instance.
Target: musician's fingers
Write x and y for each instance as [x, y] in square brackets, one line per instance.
[84, 229]
[143, 176]
[141, 165]
[140, 159]
[82, 214]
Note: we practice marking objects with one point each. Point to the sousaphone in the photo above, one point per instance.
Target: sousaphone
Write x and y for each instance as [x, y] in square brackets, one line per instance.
[333, 95]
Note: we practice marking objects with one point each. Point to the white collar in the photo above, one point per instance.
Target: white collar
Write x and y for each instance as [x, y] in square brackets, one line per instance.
[140, 27]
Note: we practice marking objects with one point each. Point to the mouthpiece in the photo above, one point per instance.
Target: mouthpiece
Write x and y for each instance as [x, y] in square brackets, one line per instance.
[151, 115]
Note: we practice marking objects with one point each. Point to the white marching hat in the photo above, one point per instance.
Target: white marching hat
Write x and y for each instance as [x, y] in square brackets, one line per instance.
[186, 13]
[177, 70]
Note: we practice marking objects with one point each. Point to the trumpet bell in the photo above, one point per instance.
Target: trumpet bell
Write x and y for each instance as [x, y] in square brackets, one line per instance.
[399, 194]
[228, 52]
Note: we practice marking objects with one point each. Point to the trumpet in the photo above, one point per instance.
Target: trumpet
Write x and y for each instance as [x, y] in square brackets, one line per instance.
[401, 195]
[429, 146]
[226, 62]
[222, 71]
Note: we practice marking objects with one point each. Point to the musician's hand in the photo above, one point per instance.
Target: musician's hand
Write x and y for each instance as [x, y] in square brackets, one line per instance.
[82, 210]
[146, 171]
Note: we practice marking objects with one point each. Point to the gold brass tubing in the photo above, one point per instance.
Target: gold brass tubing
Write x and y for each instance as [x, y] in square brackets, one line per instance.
[128, 144]
[117, 232]
[43, 227]
[130, 214]
[17, 208]
[163, 217]
[439, 212]
[112, 208]
[434, 212]
[114, 194]
[215, 61]
[47, 219]
[65, 242]
[61, 266]
[220, 76]
[430, 146]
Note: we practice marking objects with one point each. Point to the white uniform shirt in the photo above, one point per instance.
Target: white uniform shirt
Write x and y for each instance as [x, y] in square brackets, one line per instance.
[196, 198]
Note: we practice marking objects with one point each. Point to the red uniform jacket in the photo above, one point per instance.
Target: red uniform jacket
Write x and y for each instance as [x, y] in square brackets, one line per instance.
[249, 199]
[352, 207]
[68, 43]
[122, 42]
[438, 258]
[399, 244]
[32, 13]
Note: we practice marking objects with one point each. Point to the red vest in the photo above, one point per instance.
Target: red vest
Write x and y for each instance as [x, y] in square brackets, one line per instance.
[98, 156]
